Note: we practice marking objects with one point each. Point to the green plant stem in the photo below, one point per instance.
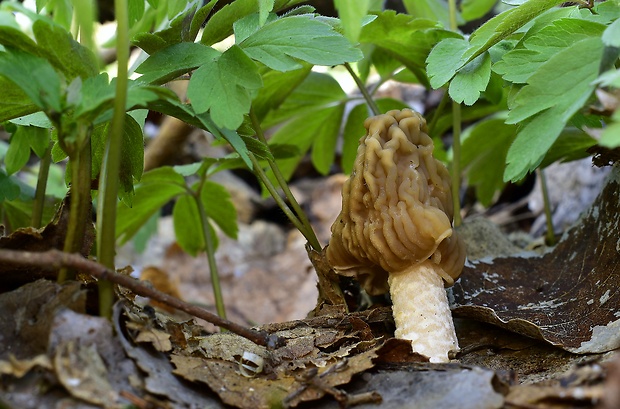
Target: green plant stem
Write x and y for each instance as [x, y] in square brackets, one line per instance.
[262, 176]
[456, 162]
[369, 101]
[39, 195]
[456, 136]
[301, 215]
[210, 250]
[442, 105]
[547, 206]
[108, 189]
[80, 200]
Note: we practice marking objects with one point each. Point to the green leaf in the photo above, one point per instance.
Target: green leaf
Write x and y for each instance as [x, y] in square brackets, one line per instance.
[220, 24]
[320, 130]
[188, 228]
[517, 65]
[19, 151]
[175, 60]
[280, 43]
[430, 9]
[277, 86]
[177, 31]
[226, 87]
[563, 82]
[13, 37]
[553, 95]
[316, 91]
[611, 36]
[219, 207]
[533, 141]
[15, 103]
[610, 138]
[444, 60]
[474, 9]
[572, 144]
[35, 76]
[483, 153]
[264, 8]
[351, 13]
[156, 188]
[471, 80]
[231, 136]
[135, 10]
[504, 24]
[9, 189]
[67, 55]
[406, 38]
[38, 119]
[199, 18]
[147, 201]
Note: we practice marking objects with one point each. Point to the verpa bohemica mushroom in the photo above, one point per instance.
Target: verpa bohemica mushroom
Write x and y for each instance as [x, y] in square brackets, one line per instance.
[395, 230]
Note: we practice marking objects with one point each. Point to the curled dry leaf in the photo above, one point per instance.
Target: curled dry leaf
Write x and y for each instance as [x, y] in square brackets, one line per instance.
[568, 297]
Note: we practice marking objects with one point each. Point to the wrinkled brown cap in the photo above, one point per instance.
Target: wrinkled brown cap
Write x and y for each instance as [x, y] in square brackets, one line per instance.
[396, 206]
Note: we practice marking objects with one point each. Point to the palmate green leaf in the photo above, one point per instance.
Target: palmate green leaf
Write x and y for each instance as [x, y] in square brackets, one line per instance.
[483, 153]
[316, 91]
[156, 188]
[35, 76]
[572, 144]
[219, 207]
[430, 9]
[563, 82]
[264, 8]
[277, 86]
[9, 189]
[56, 45]
[175, 60]
[135, 10]
[226, 87]
[553, 95]
[132, 154]
[517, 65]
[19, 151]
[406, 38]
[474, 9]
[13, 37]
[444, 60]
[280, 43]
[188, 228]
[504, 24]
[15, 103]
[351, 13]
[471, 80]
[319, 130]
[221, 23]
[611, 36]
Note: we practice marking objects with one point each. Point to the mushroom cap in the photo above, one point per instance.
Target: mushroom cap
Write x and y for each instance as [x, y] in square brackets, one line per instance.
[396, 206]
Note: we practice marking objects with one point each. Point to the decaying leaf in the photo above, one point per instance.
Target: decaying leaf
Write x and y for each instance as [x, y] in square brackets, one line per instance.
[83, 373]
[28, 314]
[19, 368]
[568, 297]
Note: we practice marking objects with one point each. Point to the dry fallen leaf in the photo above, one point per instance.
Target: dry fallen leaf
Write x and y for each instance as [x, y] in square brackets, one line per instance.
[568, 297]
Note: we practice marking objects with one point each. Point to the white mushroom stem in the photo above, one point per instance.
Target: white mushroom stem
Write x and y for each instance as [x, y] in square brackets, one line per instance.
[421, 311]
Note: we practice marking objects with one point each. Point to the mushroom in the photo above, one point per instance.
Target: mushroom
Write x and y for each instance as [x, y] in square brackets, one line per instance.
[395, 230]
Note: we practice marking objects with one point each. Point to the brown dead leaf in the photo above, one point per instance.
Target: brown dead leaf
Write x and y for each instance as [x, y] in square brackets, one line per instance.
[19, 368]
[83, 373]
[568, 297]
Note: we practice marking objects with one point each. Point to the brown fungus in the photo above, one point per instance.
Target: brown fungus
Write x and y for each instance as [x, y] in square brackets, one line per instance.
[395, 230]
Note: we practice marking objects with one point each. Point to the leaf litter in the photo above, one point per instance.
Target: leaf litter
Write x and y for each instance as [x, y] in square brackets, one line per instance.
[336, 359]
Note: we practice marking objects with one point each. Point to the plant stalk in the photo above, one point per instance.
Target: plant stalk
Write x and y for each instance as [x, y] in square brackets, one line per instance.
[369, 101]
[301, 215]
[79, 202]
[39, 195]
[456, 136]
[547, 206]
[108, 189]
[210, 250]
[455, 175]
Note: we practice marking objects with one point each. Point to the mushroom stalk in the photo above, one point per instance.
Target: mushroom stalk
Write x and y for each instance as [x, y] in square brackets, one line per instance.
[421, 311]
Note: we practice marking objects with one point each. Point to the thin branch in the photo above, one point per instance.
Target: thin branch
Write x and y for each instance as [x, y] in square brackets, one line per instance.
[55, 259]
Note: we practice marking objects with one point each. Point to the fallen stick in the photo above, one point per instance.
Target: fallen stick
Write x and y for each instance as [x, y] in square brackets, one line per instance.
[55, 259]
